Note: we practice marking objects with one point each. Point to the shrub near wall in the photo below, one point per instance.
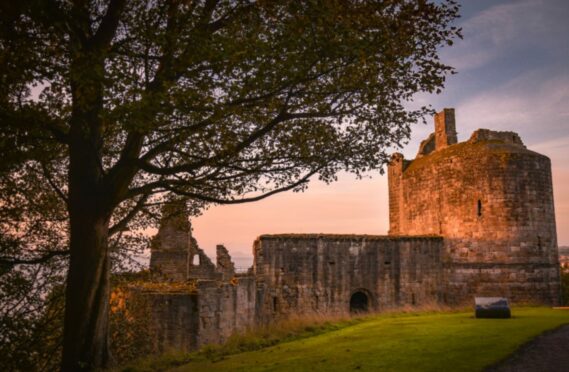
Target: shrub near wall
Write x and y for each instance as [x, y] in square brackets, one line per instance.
[131, 333]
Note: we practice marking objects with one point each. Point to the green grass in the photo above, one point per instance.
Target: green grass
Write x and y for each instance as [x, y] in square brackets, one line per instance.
[395, 342]
[289, 330]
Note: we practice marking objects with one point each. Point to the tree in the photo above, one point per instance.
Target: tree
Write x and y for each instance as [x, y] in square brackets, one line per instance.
[109, 105]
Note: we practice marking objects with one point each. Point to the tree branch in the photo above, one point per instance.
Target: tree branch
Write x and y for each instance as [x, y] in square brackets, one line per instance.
[12, 261]
[106, 31]
[57, 190]
[122, 224]
[242, 200]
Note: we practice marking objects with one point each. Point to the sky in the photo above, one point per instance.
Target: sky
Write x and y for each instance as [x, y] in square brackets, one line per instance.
[513, 74]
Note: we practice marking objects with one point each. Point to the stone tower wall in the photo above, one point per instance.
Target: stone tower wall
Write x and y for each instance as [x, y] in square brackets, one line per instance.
[445, 129]
[300, 274]
[492, 200]
[395, 176]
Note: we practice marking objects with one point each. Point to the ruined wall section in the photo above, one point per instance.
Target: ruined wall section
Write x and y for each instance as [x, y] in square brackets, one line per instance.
[300, 274]
[225, 308]
[200, 265]
[169, 249]
[492, 200]
[210, 315]
[175, 253]
[174, 319]
[224, 264]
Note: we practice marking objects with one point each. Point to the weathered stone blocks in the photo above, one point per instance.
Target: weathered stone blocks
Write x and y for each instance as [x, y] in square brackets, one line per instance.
[492, 201]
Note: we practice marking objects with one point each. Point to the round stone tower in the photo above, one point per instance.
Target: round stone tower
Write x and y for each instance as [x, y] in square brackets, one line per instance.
[492, 200]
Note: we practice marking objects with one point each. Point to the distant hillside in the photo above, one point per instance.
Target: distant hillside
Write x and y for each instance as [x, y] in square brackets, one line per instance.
[564, 251]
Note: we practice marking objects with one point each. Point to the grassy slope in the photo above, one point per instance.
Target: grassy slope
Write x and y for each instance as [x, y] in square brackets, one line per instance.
[406, 342]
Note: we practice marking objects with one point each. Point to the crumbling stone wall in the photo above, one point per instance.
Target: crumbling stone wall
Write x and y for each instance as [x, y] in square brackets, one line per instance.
[186, 321]
[169, 248]
[224, 264]
[200, 265]
[492, 200]
[176, 254]
[300, 274]
[174, 319]
[225, 308]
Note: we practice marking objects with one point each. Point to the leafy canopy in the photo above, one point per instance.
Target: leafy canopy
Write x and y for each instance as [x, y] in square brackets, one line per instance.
[216, 100]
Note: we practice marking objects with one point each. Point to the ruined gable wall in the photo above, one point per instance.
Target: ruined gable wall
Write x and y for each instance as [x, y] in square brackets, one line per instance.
[493, 203]
[200, 265]
[169, 249]
[300, 274]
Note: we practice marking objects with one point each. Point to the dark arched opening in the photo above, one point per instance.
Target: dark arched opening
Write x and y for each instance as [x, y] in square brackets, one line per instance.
[359, 303]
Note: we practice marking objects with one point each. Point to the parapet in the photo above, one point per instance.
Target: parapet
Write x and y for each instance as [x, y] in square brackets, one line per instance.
[491, 135]
[445, 136]
[352, 237]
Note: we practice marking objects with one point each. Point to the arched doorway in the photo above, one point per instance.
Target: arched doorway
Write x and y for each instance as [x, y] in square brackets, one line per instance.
[359, 302]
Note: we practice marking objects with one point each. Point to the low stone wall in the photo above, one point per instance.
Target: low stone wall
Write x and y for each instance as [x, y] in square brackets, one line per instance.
[187, 321]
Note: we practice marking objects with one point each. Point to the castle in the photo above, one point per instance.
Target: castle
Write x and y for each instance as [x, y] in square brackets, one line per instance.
[467, 219]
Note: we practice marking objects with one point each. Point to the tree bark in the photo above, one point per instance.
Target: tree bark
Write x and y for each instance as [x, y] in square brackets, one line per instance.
[86, 322]
[85, 338]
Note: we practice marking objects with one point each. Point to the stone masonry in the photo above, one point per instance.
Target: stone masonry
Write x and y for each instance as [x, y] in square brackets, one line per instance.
[474, 218]
[492, 200]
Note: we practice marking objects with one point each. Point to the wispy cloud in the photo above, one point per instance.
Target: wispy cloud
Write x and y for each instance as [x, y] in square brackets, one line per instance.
[533, 104]
[502, 28]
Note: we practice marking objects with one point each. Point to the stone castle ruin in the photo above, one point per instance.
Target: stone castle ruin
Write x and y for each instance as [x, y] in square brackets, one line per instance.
[467, 219]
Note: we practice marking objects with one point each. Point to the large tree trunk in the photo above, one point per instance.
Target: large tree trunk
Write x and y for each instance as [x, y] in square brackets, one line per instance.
[85, 339]
[85, 329]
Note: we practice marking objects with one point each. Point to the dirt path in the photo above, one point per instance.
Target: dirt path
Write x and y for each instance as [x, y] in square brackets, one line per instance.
[548, 352]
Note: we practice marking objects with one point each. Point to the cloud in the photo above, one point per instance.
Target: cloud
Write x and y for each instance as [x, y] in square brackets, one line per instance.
[500, 29]
[533, 104]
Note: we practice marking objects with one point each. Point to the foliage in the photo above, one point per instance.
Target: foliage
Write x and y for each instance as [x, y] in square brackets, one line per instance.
[397, 342]
[31, 318]
[130, 331]
[31, 323]
[108, 107]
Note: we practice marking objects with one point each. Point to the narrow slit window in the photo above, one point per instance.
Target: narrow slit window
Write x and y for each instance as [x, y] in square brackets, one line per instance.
[479, 209]
[196, 260]
[275, 304]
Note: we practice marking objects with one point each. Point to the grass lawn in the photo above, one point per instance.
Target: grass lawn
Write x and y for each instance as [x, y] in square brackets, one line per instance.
[399, 342]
